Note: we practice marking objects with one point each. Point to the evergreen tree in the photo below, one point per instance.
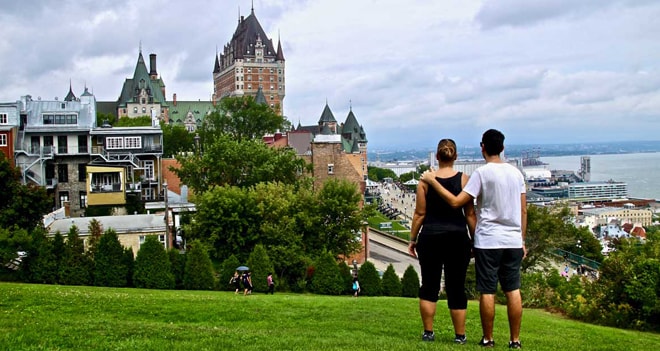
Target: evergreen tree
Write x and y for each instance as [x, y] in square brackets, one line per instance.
[327, 279]
[260, 265]
[410, 283]
[391, 282]
[128, 260]
[178, 264]
[109, 268]
[58, 252]
[152, 266]
[227, 269]
[75, 267]
[370, 284]
[95, 231]
[346, 276]
[40, 264]
[199, 269]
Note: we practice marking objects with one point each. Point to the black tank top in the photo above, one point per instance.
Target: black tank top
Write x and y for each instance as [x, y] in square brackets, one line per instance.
[440, 217]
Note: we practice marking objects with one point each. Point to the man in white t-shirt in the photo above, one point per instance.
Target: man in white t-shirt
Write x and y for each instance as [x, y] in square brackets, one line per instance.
[499, 240]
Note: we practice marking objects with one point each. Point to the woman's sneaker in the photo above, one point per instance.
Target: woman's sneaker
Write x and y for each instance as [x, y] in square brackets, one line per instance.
[428, 336]
[486, 343]
[515, 345]
[460, 339]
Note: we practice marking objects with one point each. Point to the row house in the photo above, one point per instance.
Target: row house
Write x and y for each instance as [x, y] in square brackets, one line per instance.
[9, 117]
[59, 146]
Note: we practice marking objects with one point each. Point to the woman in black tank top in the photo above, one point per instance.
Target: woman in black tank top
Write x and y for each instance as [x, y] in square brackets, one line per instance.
[440, 238]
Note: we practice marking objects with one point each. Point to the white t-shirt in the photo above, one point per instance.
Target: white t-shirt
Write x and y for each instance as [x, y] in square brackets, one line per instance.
[497, 188]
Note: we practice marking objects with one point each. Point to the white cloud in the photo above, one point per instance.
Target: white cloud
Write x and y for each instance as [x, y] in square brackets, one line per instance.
[414, 72]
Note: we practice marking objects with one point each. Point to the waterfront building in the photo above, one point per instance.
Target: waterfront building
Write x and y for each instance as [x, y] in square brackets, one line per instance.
[598, 191]
[250, 63]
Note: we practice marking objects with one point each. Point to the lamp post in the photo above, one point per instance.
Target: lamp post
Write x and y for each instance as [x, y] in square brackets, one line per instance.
[197, 143]
[168, 237]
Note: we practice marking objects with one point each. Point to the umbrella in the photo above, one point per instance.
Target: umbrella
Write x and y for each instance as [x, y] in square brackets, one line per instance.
[242, 268]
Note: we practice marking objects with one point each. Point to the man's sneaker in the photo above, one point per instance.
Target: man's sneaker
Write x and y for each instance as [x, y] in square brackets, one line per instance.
[428, 336]
[486, 343]
[462, 339]
[515, 345]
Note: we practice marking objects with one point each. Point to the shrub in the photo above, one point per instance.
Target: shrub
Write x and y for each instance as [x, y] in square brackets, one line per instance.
[227, 269]
[128, 261]
[40, 265]
[369, 280]
[410, 283]
[199, 269]
[76, 266]
[346, 276]
[260, 265]
[152, 266]
[327, 278]
[178, 264]
[109, 269]
[391, 283]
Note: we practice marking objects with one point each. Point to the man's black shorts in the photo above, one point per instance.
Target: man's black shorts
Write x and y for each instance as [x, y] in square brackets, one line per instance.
[498, 264]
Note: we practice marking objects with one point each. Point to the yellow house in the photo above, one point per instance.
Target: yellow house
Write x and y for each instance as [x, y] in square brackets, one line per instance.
[105, 185]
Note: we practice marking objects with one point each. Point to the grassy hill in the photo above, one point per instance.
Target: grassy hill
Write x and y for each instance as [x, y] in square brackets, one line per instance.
[52, 317]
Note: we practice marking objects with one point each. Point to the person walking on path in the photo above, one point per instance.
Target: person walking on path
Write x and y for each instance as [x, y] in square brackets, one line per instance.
[247, 283]
[271, 284]
[236, 281]
[356, 287]
[439, 237]
[499, 240]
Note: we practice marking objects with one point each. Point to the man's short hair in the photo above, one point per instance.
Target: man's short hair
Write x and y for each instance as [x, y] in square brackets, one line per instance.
[493, 142]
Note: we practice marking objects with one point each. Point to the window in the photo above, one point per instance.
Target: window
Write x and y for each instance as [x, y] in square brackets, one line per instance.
[272, 97]
[3, 139]
[135, 109]
[82, 144]
[83, 199]
[64, 197]
[148, 194]
[63, 173]
[60, 118]
[161, 238]
[62, 144]
[144, 110]
[133, 142]
[82, 172]
[331, 168]
[114, 143]
[148, 166]
[3, 118]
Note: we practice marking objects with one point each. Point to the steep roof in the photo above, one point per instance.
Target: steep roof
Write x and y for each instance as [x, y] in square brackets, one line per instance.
[245, 38]
[141, 79]
[70, 96]
[260, 98]
[199, 109]
[326, 115]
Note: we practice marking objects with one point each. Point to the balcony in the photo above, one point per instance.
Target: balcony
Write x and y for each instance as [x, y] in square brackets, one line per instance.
[106, 188]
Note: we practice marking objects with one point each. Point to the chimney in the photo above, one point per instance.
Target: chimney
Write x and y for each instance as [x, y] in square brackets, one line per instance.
[213, 99]
[152, 64]
[174, 99]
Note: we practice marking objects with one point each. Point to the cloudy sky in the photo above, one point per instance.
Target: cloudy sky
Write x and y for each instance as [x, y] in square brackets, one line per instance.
[415, 71]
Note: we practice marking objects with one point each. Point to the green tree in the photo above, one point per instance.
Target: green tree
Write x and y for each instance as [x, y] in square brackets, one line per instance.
[391, 283]
[152, 266]
[260, 265]
[199, 269]
[12, 240]
[370, 284]
[378, 174]
[76, 266]
[243, 119]
[227, 161]
[346, 277]
[176, 139]
[102, 118]
[40, 265]
[109, 268]
[128, 261]
[327, 279]
[141, 121]
[410, 283]
[95, 232]
[178, 265]
[22, 206]
[341, 218]
[227, 269]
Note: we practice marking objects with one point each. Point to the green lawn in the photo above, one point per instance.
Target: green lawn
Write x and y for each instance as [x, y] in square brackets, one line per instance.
[51, 317]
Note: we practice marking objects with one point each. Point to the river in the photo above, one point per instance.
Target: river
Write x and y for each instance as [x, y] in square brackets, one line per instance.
[641, 171]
